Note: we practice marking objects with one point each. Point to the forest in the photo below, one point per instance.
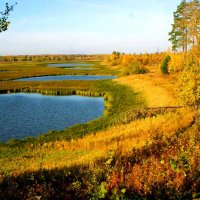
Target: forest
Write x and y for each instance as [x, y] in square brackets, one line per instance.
[145, 146]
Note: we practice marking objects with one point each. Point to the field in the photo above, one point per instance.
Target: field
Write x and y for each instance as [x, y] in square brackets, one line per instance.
[146, 146]
[14, 70]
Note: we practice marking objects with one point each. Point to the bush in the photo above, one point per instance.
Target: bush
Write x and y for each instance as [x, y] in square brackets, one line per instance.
[176, 63]
[164, 66]
[135, 68]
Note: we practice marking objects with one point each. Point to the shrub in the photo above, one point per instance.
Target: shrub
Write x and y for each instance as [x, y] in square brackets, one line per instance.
[135, 68]
[164, 66]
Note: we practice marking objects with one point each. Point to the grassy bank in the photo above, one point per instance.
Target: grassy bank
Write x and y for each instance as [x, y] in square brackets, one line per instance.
[118, 99]
[158, 90]
[133, 152]
[120, 161]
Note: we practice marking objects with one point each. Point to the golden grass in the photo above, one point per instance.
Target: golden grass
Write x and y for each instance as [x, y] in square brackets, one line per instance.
[19, 70]
[46, 85]
[136, 134]
[158, 90]
[97, 145]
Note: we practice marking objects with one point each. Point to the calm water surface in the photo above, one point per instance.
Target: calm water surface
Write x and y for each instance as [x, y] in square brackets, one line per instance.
[70, 65]
[23, 115]
[78, 68]
[66, 77]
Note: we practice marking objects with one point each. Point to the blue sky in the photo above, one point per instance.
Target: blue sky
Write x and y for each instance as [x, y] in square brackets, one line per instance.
[88, 26]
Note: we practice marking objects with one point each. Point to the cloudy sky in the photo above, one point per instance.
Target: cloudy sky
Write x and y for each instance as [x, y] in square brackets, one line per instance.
[87, 26]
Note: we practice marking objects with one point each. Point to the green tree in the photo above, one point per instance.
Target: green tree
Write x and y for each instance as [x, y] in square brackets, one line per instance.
[185, 29]
[179, 27]
[116, 53]
[164, 66]
[4, 22]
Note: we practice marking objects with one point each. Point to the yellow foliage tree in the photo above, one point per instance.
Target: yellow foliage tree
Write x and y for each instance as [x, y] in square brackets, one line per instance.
[189, 80]
[176, 63]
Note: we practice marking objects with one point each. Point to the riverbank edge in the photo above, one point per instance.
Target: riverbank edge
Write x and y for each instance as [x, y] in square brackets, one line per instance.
[112, 102]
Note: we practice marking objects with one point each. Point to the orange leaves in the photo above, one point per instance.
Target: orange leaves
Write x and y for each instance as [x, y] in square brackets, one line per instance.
[134, 179]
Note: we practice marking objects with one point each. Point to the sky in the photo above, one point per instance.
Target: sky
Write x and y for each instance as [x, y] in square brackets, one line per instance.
[87, 26]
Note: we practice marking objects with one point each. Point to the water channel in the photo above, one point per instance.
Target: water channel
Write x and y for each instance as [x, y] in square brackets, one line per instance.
[66, 77]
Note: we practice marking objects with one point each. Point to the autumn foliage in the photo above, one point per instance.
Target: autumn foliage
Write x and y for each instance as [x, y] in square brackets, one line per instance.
[146, 147]
[133, 63]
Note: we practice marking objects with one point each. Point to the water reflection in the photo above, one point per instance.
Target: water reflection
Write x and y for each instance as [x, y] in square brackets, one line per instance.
[23, 115]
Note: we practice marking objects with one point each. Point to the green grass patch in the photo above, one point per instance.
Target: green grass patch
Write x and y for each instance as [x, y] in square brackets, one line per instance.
[15, 70]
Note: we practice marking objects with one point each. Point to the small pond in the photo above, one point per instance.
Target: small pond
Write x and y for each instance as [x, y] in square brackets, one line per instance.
[70, 65]
[66, 77]
[23, 115]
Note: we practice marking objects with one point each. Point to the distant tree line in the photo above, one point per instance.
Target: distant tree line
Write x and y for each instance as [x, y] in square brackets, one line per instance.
[133, 63]
[122, 59]
[49, 58]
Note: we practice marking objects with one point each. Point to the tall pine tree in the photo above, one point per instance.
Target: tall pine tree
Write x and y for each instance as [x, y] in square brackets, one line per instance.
[186, 27]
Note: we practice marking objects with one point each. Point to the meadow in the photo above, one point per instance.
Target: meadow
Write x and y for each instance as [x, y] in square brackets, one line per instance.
[146, 146]
[15, 70]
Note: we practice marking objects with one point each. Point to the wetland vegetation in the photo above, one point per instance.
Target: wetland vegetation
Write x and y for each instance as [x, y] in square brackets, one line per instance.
[144, 146]
[111, 155]
[63, 65]
[16, 70]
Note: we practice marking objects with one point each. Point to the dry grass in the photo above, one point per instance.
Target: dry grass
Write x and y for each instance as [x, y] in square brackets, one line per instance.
[157, 89]
[86, 150]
